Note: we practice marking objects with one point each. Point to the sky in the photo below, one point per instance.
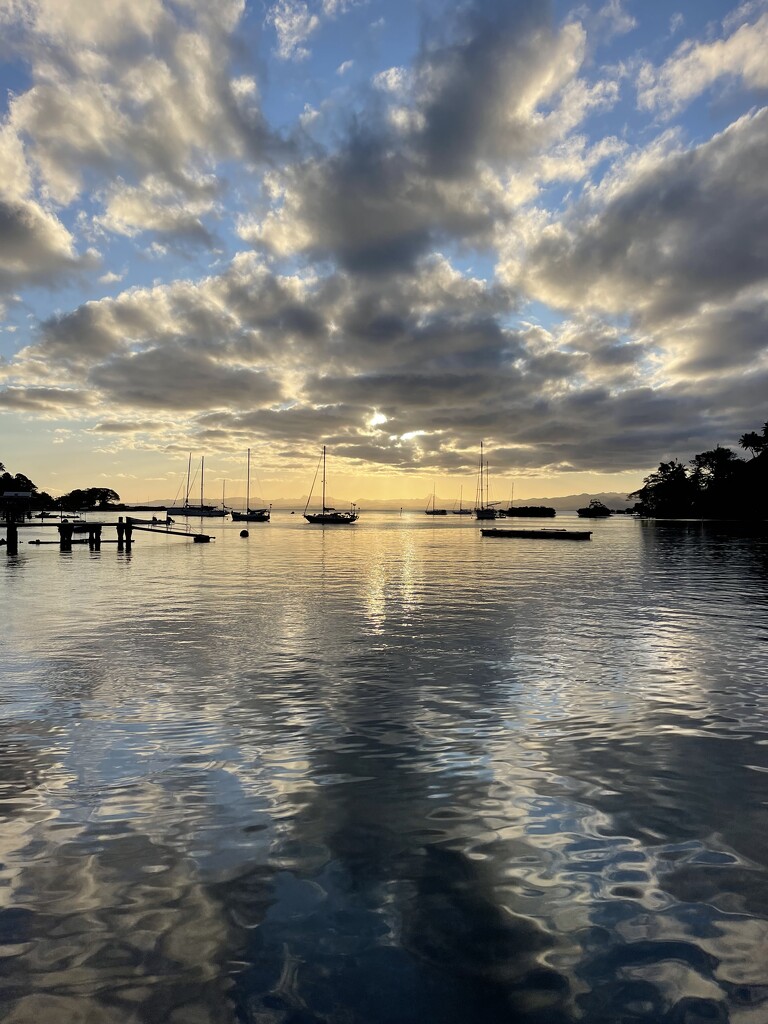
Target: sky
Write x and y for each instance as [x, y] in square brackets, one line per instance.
[394, 227]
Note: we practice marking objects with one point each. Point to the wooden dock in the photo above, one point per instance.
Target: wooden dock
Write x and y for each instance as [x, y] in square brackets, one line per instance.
[124, 527]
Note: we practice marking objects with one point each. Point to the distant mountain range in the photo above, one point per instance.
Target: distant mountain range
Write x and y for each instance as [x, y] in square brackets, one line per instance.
[563, 503]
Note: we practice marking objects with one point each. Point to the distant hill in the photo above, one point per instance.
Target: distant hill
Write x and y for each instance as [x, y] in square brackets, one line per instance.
[563, 503]
[570, 502]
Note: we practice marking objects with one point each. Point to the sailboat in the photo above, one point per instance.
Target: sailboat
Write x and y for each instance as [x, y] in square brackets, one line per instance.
[461, 511]
[251, 515]
[328, 516]
[484, 509]
[202, 510]
[434, 511]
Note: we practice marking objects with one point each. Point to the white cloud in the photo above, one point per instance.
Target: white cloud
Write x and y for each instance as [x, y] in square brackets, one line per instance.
[138, 94]
[346, 66]
[156, 206]
[673, 229]
[294, 23]
[697, 66]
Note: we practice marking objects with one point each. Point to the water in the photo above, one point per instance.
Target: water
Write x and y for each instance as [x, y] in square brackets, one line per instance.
[388, 773]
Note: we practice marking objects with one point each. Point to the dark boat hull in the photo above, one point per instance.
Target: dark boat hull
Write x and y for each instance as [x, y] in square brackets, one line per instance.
[330, 518]
[540, 534]
[257, 516]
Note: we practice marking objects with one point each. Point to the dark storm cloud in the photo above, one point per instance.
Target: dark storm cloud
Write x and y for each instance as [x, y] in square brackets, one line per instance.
[407, 178]
[176, 378]
[681, 230]
[475, 83]
[44, 400]
[722, 340]
[435, 395]
[295, 424]
[124, 426]
[35, 247]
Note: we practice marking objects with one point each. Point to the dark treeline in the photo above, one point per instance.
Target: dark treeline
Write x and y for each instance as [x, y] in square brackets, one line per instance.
[716, 484]
[80, 498]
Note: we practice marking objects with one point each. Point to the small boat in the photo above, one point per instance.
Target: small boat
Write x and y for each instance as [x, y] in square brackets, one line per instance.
[545, 533]
[434, 511]
[594, 510]
[328, 516]
[251, 515]
[68, 518]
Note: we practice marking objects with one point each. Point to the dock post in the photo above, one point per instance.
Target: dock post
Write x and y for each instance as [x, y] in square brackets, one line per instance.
[97, 537]
[65, 536]
[120, 533]
[91, 538]
[12, 538]
[128, 533]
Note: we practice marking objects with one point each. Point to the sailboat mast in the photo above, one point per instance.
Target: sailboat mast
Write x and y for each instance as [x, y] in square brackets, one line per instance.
[202, 477]
[482, 500]
[189, 470]
[248, 484]
[323, 478]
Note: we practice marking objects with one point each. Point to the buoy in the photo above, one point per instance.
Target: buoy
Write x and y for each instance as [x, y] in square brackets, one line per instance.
[243, 533]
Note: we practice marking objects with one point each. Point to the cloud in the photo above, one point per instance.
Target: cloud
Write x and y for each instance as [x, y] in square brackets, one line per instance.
[145, 92]
[669, 231]
[44, 401]
[354, 318]
[444, 153]
[719, 340]
[176, 376]
[294, 23]
[156, 206]
[696, 66]
[35, 247]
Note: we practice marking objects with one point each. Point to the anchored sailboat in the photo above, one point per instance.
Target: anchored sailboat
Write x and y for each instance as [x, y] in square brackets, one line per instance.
[434, 511]
[202, 510]
[484, 508]
[328, 516]
[461, 511]
[251, 515]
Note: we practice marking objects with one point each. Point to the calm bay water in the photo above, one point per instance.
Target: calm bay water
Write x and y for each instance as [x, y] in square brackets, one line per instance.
[387, 774]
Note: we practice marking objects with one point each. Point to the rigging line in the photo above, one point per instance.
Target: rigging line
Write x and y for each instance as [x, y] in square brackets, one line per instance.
[258, 484]
[178, 491]
[314, 478]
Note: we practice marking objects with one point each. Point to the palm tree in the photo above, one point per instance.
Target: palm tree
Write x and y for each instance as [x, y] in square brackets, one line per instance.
[754, 442]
